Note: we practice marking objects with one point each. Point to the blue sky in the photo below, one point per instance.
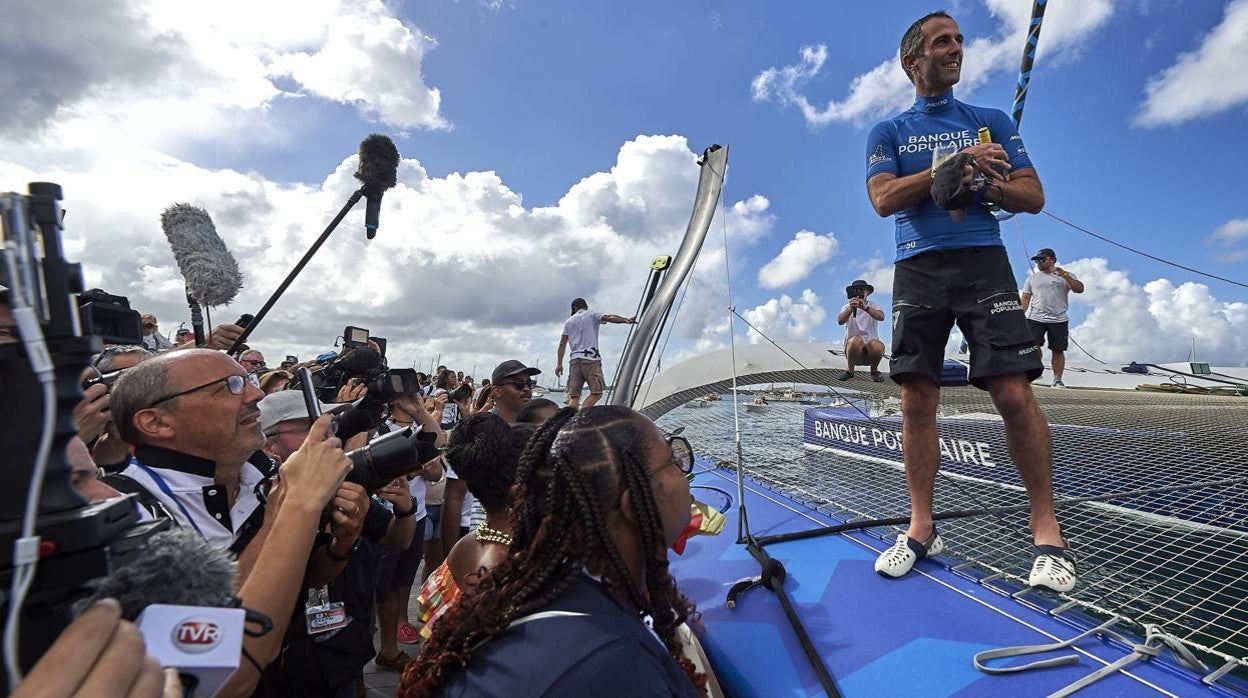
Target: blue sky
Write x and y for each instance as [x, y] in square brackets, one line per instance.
[1135, 121]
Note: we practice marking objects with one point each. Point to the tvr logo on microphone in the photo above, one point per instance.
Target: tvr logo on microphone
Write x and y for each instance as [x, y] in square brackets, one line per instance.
[197, 635]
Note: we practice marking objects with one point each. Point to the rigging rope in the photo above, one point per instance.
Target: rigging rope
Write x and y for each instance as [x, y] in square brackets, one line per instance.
[1144, 254]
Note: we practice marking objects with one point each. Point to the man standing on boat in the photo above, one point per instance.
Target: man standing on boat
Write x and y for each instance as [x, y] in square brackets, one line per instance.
[951, 271]
[861, 318]
[1046, 297]
[585, 361]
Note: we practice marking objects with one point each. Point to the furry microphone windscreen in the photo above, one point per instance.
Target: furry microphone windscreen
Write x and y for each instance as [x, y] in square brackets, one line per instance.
[177, 567]
[211, 273]
[379, 164]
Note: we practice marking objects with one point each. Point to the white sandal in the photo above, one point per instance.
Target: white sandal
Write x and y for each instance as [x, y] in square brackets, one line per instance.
[1054, 568]
[900, 558]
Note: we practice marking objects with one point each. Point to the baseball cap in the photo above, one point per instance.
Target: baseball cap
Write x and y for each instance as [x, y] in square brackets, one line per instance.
[1044, 252]
[509, 368]
[947, 189]
[285, 405]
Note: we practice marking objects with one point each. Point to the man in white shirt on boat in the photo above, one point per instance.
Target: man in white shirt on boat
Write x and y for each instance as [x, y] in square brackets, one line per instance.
[585, 361]
[861, 319]
[1046, 298]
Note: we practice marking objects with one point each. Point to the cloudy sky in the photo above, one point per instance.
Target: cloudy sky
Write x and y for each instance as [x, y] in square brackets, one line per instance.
[549, 153]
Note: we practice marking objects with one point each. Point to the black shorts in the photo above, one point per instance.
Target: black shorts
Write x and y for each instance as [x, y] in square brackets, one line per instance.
[1059, 334]
[399, 569]
[974, 287]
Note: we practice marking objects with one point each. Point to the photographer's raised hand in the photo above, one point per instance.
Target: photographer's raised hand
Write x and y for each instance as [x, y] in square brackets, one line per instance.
[312, 474]
[352, 390]
[350, 506]
[91, 414]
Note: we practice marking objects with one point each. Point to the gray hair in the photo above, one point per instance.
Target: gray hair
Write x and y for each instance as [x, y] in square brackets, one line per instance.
[107, 359]
[912, 40]
[135, 391]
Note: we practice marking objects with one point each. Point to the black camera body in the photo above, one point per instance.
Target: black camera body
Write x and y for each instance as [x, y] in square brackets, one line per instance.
[107, 379]
[365, 364]
[855, 292]
[84, 541]
[109, 317]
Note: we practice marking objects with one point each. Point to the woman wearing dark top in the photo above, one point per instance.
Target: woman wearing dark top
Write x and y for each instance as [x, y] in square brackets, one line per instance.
[584, 603]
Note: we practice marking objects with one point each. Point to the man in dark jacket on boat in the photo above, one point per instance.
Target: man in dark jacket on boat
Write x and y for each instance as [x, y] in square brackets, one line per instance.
[954, 268]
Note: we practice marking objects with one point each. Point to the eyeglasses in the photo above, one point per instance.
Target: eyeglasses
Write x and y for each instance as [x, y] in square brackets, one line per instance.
[519, 385]
[234, 382]
[253, 362]
[147, 325]
[682, 455]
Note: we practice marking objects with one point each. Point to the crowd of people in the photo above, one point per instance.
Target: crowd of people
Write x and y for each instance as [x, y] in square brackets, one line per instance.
[535, 537]
[225, 446]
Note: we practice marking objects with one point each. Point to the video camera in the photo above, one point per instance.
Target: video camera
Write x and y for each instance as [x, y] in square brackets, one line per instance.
[79, 542]
[359, 360]
[853, 292]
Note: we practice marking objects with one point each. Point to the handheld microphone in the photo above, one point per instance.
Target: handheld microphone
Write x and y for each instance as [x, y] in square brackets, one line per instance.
[378, 171]
[179, 590]
[211, 273]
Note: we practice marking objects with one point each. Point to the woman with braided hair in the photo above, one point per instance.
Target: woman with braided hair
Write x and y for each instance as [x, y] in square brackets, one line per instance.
[484, 452]
[584, 603]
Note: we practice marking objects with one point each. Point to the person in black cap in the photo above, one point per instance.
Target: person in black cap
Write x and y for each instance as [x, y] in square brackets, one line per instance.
[585, 361]
[1045, 300]
[862, 340]
[512, 386]
[950, 271]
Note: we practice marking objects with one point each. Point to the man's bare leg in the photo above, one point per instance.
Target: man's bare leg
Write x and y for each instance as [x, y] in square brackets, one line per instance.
[855, 353]
[919, 398]
[1059, 364]
[1031, 446]
[589, 401]
[875, 352]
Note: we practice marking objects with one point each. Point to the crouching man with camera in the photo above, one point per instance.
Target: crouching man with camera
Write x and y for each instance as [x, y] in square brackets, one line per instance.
[861, 318]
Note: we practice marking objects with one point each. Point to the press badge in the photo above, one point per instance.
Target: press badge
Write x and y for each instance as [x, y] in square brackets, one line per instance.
[323, 616]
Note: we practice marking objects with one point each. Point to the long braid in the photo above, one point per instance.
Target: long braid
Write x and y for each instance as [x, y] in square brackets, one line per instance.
[572, 472]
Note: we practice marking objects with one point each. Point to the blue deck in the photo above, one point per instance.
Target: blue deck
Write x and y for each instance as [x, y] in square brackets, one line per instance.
[879, 637]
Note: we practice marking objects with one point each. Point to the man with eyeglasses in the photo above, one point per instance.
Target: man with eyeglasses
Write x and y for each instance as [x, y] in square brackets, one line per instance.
[253, 361]
[193, 419]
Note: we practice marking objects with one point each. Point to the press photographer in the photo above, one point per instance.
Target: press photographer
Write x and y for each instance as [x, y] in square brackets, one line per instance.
[93, 414]
[329, 640]
[861, 318]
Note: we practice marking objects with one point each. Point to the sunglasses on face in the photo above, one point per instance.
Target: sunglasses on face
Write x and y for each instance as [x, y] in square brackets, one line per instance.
[147, 325]
[234, 382]
[682, 455]
[519, 385]
[253, 362]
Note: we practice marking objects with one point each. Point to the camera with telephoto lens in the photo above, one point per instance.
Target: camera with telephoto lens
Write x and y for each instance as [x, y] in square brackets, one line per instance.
[389, 456]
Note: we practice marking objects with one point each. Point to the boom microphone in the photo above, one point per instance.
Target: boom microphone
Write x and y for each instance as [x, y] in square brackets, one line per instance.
[212, 275]
[378, 171]
[179, 590]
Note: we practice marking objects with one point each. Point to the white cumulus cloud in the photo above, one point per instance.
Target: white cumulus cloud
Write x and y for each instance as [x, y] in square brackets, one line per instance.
[1232, 240]
[786, 318]
[885, 89]
[797, 259]
[1205, 81]
[1156, 321]
[460, 268]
